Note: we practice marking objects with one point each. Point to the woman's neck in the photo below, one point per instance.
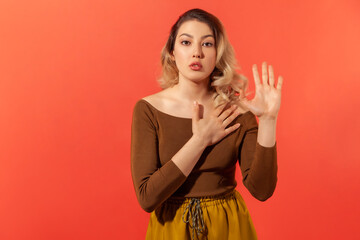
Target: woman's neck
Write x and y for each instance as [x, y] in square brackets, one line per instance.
[192, 91]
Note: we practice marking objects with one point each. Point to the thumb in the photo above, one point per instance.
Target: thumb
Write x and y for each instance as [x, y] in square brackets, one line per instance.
[195, 114]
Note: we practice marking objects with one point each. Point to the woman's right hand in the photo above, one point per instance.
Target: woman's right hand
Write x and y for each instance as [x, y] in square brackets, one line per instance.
[214, 126]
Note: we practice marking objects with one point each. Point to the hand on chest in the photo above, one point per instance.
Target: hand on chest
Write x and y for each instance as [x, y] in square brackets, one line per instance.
[174, 133]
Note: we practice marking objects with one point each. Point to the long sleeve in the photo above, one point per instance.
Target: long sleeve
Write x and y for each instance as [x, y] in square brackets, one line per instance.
[258, 163]
[153, 183]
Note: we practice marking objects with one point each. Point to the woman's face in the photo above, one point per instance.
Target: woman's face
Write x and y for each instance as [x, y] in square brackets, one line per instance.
[194, 51]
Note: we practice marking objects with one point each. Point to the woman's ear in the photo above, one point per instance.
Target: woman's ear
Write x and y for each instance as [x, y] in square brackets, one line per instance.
[172, 56]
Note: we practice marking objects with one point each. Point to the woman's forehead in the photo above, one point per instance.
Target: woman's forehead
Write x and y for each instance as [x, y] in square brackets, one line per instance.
[194, 28]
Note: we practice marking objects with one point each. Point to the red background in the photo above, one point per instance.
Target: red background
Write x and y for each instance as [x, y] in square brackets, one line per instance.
[71, 72]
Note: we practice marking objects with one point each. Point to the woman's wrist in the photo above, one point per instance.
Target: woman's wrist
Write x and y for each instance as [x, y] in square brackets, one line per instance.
[267, 132]
[267, 118]
[198, 141]
[186, 158]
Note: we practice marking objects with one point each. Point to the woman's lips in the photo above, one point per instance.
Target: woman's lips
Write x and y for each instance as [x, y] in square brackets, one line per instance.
[196, 66]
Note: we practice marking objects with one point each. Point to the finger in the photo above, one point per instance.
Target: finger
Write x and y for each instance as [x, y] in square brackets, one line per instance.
[219, 109]
[195, 115]
[225, 114]
[256, 75]
[264, 73]
[232, 128]
[280, 83]
[231, 118]
[271, 76]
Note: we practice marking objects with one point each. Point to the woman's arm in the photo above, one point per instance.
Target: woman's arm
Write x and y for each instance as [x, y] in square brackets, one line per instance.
[153, 183]
[258, 158]
[258, 163]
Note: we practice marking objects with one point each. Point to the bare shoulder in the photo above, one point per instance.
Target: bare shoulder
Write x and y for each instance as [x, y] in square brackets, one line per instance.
[153, 99]
[158, 99]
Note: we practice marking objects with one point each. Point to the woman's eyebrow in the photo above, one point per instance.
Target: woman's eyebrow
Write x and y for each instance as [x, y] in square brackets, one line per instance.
[190, 36]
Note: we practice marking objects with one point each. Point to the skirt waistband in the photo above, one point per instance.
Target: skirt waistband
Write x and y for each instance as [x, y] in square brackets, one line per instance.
[182, 202]
[192, 208]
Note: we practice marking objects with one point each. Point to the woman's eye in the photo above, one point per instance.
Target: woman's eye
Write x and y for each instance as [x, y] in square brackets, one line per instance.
[208, 44]
[185, 42]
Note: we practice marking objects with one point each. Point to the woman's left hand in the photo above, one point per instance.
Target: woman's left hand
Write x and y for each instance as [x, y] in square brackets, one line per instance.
[266, 103]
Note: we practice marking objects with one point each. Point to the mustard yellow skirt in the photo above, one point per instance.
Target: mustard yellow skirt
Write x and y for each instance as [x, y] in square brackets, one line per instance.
[217, 217]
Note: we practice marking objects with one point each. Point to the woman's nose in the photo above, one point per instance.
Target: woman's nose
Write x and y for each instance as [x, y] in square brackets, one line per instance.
[197, 52]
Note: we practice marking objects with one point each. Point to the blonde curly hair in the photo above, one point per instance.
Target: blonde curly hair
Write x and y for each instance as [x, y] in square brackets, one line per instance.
[225, 82]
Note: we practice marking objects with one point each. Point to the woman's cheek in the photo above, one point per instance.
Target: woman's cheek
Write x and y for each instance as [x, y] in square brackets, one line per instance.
[212, 60]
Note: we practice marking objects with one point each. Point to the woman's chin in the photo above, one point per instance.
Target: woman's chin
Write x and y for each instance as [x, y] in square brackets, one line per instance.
[197, 78]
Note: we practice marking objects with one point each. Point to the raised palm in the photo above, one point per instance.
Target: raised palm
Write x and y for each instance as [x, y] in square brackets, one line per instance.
[266, 103]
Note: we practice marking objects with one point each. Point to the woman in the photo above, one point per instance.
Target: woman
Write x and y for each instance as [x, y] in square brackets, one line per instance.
[187, 139]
